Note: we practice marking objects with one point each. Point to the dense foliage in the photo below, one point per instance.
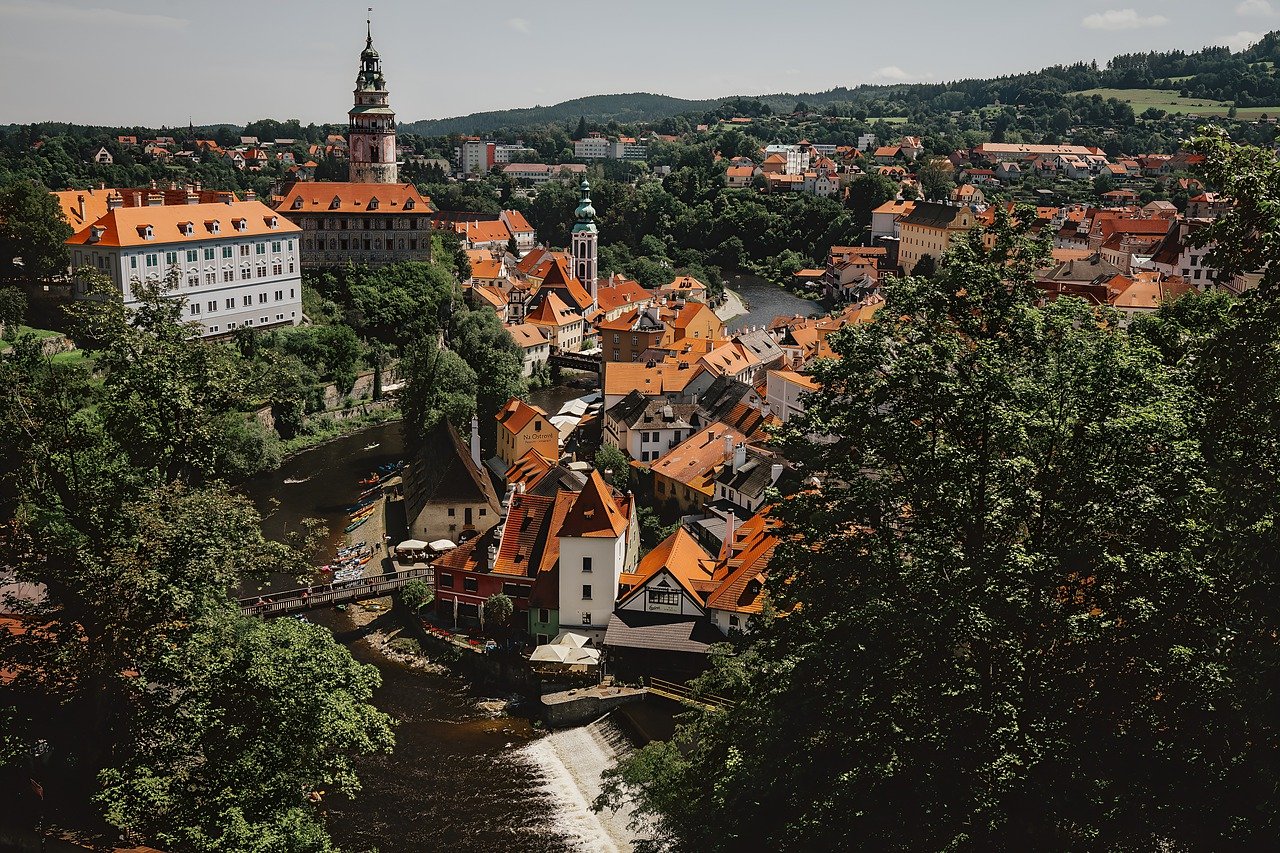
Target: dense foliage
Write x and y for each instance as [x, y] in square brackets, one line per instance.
[1032, 603]
[185, 722]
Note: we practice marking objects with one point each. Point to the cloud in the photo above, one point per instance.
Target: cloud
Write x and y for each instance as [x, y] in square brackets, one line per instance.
[1240, 40]
[1255, 9]
[1122, 19]
[894, 74]
[92, 17]
[520, 25]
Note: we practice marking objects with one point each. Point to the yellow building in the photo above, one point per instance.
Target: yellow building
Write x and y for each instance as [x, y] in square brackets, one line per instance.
[930, 229]
[521, 428]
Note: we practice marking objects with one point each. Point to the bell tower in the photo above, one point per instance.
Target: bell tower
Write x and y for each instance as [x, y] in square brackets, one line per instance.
[371, 132]
[585, 242]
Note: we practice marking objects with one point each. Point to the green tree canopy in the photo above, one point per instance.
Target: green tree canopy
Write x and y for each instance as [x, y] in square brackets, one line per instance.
[33, 233]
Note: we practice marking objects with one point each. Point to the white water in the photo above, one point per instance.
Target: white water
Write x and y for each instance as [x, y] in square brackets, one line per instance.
[570, 762]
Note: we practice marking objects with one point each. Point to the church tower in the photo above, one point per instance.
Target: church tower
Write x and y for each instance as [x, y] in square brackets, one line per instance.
[585, 240]
[371, 134]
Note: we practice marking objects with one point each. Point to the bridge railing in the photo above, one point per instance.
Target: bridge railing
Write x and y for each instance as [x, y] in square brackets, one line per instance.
[324, 595]
[683, 693]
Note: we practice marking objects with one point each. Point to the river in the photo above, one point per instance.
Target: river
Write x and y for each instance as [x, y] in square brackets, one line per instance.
[461, 778]
[766, 300]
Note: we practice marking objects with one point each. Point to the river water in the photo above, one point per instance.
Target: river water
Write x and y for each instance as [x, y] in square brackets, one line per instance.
[461, 778]
[765, 301]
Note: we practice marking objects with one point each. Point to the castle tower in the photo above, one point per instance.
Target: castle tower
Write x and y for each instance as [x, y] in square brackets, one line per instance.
[585, 242]
[371, 134]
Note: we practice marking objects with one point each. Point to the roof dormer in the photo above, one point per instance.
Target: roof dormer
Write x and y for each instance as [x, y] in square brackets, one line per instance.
[272, 221]
[95, 233]
[213, 226]
[336, 203]
[240, 223]
[297, 203]
[146, 232]
[187, 228]
[373, 203]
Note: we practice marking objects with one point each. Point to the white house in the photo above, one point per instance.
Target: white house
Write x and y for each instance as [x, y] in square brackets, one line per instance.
[235, 264]
[593, 556]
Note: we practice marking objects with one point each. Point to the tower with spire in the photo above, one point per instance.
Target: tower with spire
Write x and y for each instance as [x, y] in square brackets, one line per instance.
[585, 242]
[371, 134]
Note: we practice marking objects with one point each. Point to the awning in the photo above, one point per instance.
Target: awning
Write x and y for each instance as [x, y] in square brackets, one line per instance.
[568, 638]
[551, 653]
[411, 545]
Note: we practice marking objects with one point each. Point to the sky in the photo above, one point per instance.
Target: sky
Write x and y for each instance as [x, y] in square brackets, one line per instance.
[154, 63]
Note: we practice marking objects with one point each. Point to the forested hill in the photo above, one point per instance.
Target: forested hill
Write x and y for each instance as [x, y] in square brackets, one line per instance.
[1246, 79]
[625, 109]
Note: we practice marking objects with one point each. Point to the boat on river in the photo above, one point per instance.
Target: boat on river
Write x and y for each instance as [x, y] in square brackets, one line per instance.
[353, 525]
[373, 446]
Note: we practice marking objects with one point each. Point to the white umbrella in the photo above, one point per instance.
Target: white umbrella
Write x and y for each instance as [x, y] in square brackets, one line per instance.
[568, 638]
[590, 657]
[411, 545]
[550, 653]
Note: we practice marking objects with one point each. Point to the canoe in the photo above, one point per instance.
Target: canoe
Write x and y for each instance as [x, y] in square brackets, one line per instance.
[353, 525]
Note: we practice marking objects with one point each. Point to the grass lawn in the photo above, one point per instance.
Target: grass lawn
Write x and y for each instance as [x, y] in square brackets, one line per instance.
[1170, 102]
[41, 334]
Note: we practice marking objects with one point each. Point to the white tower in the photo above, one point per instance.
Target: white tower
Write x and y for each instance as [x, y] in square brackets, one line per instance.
[371, 134]
[585, 242]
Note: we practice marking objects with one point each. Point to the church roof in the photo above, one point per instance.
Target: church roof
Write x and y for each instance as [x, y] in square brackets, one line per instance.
[346, 197]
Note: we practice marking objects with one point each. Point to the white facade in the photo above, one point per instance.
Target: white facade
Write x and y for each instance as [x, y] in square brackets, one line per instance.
[661, 593]
[590, 570]
[650, 445]
[228, 281]
[512, 153]
[475, 156]
[592, 148]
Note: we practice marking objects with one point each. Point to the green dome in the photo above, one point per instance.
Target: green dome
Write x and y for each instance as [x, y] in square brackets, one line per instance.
[585, 215]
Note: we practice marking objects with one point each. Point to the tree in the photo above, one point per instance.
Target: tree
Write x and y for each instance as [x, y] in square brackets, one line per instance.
[866, 193]
[1000, 594]
[582, 131]
[935, 182]
[13, 310]
[438, 384]
[612, 463]
[926, 267]
[498, 609]
[1103, 184]
[416, 595]
[33, 233]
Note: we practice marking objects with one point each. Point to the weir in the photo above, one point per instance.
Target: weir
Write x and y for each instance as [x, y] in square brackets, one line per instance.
[569, 763]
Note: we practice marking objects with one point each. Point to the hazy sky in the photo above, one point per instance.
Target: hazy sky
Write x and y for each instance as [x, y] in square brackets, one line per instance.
[149, 62]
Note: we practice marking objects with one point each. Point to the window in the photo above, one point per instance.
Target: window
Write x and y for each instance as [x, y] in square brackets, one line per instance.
[586, 566]
[470, 584]
[444, 581]
[245, 273]
[275, 246]
[279, 295]
[192, 256]
[247, 301]
[171, 257]
[226, 251]
[452, 512]
[262, 298]
[244, 250]
[153, 260]
[260, 249]
[193, 280]
[211, 278]
[586, 592]
[291, 289]
[208, 254]
[664, 597]
[483, 512]
[228, 274]
[515, 590]
[194, 308]
[734, 621]
[211, 306]
[231, 303]
[544, 615]
[586, 618]
[277, 268]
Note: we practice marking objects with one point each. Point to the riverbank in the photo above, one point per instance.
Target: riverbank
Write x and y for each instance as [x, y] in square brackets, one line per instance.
[732, 306]
[321, 431]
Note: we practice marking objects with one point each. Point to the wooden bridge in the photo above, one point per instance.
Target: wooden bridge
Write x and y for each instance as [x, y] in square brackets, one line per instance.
[327, 595]
[686, 695]
[588, 361]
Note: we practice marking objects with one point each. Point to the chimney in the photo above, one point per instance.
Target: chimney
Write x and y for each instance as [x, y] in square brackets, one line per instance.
[726, 547]
[728, 446]
[492, 556]
[775, 471]
[739, 456]
[192, 197]
[80, 206]
[114, 201]
[137, 198]
[250, 195]
[475, 440]
[155, 199]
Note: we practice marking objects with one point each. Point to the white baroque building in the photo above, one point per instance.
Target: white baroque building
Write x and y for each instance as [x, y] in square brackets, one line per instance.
[235, 264]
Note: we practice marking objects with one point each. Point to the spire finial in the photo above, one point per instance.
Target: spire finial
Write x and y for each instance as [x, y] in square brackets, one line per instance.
[368, 23]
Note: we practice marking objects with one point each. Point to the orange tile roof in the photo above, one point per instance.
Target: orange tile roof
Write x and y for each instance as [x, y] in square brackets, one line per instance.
[552, 311]
[493, 296]
[595, 513]
[797, 378]
[546, 587]
[485, 231]
[729, 359]
[684, 282]
[527, 334]
[695, 461]
[528, 469]
[127, 226]
[621, 377]
[488, 269]
[618, 292]
[688, 312]
[516, 221]
[319, 196]
[524, 530]
[559, 278]
[517, 414]
[750, 551]
[683, 558]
